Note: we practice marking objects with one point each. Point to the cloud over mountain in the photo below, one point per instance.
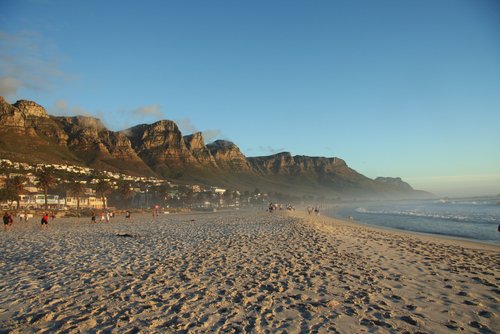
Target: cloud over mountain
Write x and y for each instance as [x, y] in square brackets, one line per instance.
[29, 61]
[152, 110]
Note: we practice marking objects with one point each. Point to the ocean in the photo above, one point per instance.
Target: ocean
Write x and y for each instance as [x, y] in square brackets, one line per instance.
[476, 219]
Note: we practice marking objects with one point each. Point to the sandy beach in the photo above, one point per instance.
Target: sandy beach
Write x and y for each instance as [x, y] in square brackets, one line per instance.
[242, 272]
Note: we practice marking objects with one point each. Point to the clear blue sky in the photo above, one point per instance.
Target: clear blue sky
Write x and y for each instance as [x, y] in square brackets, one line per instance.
[395, 88]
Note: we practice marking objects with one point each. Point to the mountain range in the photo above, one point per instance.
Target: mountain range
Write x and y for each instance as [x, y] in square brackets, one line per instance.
[29, 134]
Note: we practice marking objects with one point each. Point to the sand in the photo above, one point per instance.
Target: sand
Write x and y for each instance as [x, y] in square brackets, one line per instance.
[242, 272]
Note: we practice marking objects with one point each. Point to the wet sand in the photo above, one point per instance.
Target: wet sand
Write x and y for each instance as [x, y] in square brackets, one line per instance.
[242, 272]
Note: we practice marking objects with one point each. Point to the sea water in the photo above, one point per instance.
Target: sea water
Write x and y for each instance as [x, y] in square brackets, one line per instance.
[470, 218]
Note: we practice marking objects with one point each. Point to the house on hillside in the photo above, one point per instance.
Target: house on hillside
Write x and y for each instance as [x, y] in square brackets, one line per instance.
[86, 202]
[89, 200]
[37, 201]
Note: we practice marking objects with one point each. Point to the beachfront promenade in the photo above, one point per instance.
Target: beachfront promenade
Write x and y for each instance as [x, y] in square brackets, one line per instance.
[233, 272]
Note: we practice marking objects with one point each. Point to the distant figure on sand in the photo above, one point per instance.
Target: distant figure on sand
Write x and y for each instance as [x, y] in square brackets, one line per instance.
[127, 214]
[309, 209]
[316, 210]
[7, 221]
[45, 221]
[92, 219]
[271, 207]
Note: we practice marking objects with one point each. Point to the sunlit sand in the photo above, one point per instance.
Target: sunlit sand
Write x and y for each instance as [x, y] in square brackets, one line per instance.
[242, 271]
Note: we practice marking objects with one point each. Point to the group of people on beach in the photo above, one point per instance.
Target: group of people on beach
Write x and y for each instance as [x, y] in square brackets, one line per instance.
[310, 209]
[8, 220]
[106, 216]
[275, 206]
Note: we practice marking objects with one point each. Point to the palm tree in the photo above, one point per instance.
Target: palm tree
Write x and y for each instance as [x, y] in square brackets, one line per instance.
[126, 193]
[162, 191]
[77, 189]
[228, 196]
[102, 189]
[15, 187]
[46, 181]
[7, 195]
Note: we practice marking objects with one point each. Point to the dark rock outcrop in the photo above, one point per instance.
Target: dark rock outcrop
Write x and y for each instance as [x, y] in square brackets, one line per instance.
[228, 156]
[196, 145]
[161, 146]
[26, 118]
[101, 148]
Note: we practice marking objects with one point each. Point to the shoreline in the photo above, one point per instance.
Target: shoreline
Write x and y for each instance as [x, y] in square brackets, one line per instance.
[466, 241]
[332, 210]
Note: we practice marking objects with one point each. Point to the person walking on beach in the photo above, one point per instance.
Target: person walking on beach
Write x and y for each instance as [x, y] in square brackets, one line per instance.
[127, 214]
[7, 221]
[92, 219]
[45, 221]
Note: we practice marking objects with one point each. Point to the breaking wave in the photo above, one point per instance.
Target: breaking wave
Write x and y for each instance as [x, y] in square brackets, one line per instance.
[473, 218]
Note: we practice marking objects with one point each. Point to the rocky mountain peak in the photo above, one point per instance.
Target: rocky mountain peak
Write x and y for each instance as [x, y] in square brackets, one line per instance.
[395, 182]
[228, 156]
[27, 133]
[161, 134]
[222, 145]
[29, 119]
[30, 108]
[160, 145]
[5, 107]
[195, 141]
[85, 122]
[165, 125]
[196, 145]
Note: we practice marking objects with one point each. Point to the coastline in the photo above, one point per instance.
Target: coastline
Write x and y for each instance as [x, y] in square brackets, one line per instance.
[243, 271]
[466, 242]
[475, 223]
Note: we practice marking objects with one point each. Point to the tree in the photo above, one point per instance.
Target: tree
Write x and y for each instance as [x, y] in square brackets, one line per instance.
[77, 189]
[102, 189]
[15, 187]
[228, 196]
[7, 195]
[163, 191]
[46, 181]
[188, 196]
[126, 193]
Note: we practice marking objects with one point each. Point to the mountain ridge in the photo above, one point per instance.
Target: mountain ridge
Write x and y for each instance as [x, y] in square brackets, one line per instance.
[29, 134]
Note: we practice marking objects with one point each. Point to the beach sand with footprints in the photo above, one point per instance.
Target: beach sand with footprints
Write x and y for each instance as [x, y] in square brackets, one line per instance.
[242, 272]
